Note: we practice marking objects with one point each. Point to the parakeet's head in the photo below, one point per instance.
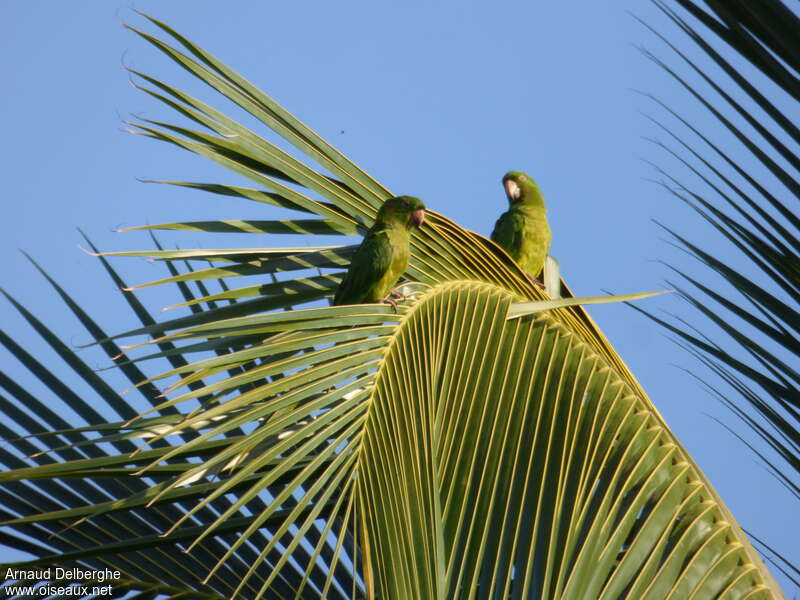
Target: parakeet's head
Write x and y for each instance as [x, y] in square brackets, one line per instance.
[521, 188]
[403, 209]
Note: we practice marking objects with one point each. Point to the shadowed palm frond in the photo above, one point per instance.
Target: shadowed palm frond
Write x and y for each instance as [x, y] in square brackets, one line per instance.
[744, 185]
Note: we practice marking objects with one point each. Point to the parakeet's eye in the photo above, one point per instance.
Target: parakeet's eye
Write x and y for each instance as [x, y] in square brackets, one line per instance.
[406, 203]
[522, 178]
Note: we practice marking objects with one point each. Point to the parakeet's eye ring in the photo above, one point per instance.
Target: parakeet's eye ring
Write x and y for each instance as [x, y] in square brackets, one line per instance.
[406, 203]
[522, 178]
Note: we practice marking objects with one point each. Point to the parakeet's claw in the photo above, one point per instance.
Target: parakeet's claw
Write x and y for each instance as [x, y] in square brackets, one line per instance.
[390, 301]
[398, 293]
[536, 281]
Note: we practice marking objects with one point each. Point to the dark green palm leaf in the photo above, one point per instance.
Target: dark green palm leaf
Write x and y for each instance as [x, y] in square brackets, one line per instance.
[749, 193]
[761, 225]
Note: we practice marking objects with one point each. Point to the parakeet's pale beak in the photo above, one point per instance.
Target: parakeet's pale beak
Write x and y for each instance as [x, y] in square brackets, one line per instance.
[512, 190]
[418, 217]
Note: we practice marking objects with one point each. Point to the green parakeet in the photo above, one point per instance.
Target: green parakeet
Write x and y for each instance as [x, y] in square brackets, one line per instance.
[382, 257]
[522, 230]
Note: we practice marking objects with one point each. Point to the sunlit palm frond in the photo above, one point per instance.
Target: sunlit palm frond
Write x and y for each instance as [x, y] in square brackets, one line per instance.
[483, 441]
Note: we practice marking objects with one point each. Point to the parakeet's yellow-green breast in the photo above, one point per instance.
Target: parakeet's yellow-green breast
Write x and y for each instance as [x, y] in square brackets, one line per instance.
[522, 230]
[382, 257]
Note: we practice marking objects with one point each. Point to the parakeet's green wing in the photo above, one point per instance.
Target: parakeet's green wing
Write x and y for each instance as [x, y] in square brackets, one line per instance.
[371, 261]
[508, 231]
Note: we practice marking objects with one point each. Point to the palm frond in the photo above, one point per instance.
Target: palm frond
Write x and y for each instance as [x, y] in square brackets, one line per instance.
[484, 441]
[752, 202]
[747, 191]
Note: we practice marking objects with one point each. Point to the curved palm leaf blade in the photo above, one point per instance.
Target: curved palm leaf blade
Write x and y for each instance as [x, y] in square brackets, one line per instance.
[324, 440]
[505, 459]
[752, 201]
[485, 453]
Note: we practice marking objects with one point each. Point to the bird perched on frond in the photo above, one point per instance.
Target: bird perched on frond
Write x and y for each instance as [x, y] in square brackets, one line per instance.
[383, 255]
[522, 230]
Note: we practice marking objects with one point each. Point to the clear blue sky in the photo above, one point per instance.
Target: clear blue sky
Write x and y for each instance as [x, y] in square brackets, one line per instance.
[436, 99]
